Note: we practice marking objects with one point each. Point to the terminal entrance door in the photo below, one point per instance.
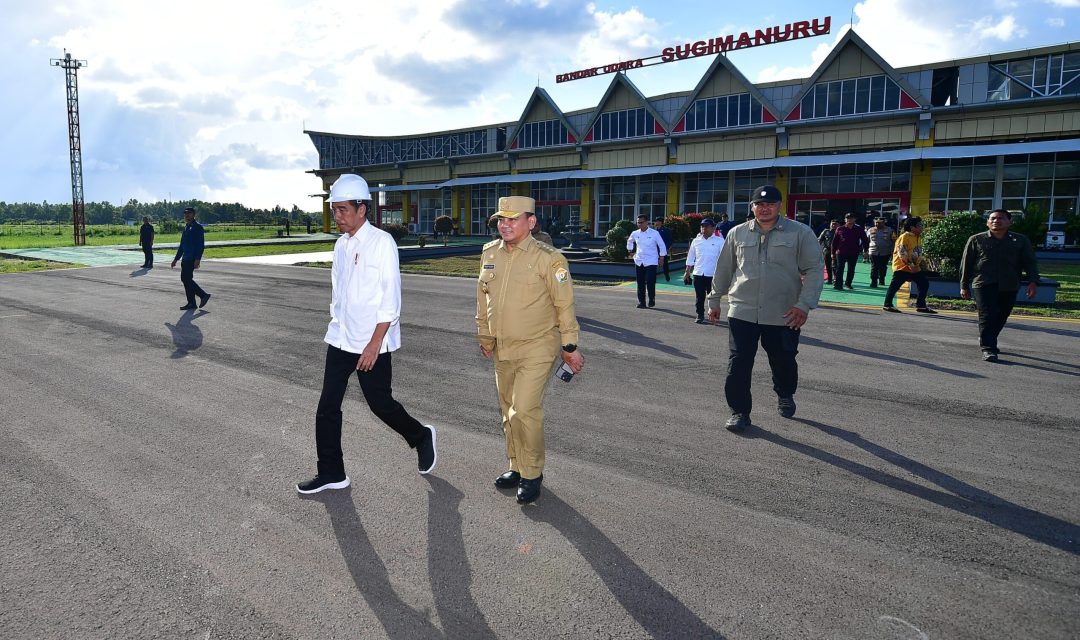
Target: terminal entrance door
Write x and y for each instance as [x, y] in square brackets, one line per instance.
[817, 210]
[554, 216]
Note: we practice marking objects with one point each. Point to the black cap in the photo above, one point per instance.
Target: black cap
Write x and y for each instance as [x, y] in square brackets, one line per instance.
[708, 221]
[766, 193]
[191, 209]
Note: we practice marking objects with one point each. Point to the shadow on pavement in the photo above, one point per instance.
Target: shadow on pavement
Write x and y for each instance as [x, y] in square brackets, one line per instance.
[659, 612]
[957, 495]
[448, 565]
[186, 336]
[141, 271]
[1013, 363]
[628, 336]
[805, 340]
[369, 574]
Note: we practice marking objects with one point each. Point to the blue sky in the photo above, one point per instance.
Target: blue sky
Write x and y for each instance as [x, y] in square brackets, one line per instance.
[208, 99]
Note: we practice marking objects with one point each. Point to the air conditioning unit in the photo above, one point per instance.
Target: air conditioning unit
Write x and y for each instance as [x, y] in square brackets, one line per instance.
[413, 227]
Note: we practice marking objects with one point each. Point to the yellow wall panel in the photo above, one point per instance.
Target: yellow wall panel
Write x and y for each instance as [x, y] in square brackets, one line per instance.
[427, 174]
[484, 166]
[541, 111]
[984, 127]
[642, 157]
[1018, 125]
[722, 83]
[920, 187]
[560, 161]
[381, 175]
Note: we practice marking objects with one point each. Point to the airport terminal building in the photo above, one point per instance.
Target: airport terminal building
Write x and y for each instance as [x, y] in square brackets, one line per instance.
[999, 130]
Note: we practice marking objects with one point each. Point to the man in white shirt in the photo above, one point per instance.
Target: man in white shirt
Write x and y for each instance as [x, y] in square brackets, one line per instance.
[701, 263]
[648, 248]
[364, 329]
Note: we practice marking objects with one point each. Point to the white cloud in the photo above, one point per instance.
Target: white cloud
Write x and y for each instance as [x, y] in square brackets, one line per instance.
[1069, 4]
[617, 37]
[1055, 22]
[1004, 29]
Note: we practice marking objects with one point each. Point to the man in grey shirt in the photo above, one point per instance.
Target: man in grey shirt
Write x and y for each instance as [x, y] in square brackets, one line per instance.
[770, 271]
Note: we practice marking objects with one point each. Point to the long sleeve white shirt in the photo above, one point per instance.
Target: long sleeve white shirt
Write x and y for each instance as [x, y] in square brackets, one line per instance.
[703, 254]
[366, 286]
[647, 246]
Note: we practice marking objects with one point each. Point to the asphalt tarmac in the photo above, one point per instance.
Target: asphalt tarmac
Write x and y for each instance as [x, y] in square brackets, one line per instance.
[148, 458]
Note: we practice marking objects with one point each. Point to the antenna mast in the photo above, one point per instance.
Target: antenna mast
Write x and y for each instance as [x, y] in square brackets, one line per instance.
[78, 206]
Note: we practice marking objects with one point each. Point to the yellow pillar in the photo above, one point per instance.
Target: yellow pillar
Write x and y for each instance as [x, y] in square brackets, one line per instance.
[585, 212]
[673, 183]
[466, 215]
[920, 180]
[781, 182]
[406, 210]
[326, 209]
[454, 214]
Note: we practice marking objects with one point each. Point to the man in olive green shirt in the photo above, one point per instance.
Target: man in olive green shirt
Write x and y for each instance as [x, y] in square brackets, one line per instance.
[991, 269]
[770, 270]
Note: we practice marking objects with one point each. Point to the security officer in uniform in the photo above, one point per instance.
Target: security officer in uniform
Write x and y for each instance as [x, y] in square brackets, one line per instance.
[525, 320]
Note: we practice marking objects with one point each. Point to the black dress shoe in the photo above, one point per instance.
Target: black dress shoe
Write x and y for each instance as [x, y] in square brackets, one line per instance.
[641, 306]
[529, 490]
[187, 307]
[204, 301]
[508, 480]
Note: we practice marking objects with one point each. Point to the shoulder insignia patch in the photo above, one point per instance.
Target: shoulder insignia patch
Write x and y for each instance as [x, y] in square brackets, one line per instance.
[493, 243]
[561, 275]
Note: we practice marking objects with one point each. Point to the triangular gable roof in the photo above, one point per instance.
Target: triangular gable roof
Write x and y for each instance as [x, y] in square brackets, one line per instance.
[714, 68]
[914, 98]
[539, 94]
[620, 79]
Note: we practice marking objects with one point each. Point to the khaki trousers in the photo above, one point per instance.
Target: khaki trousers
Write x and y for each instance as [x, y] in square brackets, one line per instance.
[521, 384]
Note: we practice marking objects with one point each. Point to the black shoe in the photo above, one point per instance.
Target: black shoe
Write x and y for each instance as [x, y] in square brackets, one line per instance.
[426, 456]
[737, 422]
[990, 356]
[873, 285]
[667, 278]
[849, 286]
[508, 480]
[838, 287]
[891, 309]
[187, 307]
[925, 310]
[204, 300]
[529, 490]
[641, 306]
[786, 406]
[318, 483]
[700, 321]
[652, 303]
[828, 282]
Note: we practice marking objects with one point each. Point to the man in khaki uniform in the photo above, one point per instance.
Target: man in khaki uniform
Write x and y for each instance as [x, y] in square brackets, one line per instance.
[525, 320]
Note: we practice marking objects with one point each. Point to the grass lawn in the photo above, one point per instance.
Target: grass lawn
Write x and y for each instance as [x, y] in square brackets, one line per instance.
[14, 265]
[242, 251]
[1068, 295]
[24, 236]
[457, 266]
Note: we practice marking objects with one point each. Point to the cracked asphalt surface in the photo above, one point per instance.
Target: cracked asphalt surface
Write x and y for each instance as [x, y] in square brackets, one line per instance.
[149, 455]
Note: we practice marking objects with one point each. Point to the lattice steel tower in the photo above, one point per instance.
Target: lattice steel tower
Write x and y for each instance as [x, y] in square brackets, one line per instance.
[78, 206]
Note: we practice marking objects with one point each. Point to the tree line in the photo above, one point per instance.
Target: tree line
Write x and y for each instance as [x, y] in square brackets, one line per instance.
[108, 213]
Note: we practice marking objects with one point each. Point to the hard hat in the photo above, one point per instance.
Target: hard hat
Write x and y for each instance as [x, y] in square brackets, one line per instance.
[349, 186]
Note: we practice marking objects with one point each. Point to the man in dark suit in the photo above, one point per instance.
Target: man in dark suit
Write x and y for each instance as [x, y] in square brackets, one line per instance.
[146, 241]
[189, 253]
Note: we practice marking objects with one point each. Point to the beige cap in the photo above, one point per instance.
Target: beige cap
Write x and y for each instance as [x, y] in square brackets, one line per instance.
[514, 206]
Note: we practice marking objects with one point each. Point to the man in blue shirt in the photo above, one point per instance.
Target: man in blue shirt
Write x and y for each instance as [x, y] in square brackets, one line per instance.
[189, 253]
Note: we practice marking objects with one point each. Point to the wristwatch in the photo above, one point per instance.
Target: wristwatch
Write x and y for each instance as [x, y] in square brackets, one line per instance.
[569, 348]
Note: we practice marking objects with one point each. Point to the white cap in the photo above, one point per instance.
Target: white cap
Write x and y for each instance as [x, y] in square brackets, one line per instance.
[349, 186]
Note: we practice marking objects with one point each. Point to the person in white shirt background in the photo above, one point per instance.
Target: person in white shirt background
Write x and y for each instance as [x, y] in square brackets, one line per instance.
[701, 264]
[364, 329]
[648, 248]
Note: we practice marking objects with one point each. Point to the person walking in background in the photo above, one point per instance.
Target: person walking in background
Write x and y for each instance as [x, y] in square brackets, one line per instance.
[649, 249]
[907, 266]
[724, 226]
[848, 243]
[701, 264]
[882, 238]
[364, 329]
[825, 240]
[990, 270]
[665, 235]
[189, 253]
[146, 241]
[525, 322]
[540, 235]
[765, 271]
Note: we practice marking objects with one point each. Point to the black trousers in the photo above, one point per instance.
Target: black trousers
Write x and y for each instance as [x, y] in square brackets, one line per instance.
[702, 285]
[994, 308]
[187, 276]
[664, 259]
[646, 281]
[375, 384]
[899, 278]
[781, 343]
[828, 266]
[838, 270]
[879, 266]
[148, 257]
